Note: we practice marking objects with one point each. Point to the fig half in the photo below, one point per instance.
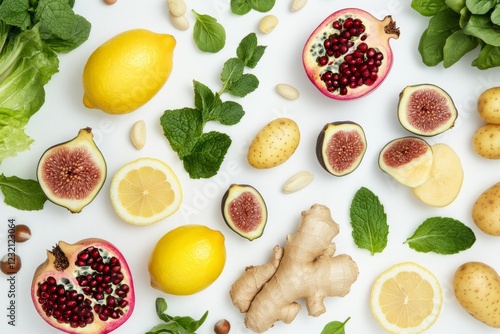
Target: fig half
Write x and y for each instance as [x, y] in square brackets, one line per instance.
[426, 110]
[408, 160]
[340, 147]
[244, 211]
[72, 173]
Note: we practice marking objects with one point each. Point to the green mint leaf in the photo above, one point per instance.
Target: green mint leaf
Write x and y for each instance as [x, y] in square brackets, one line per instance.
[208, 34]
[240, 7]
[262, 5]
[246, 84]
[182, 128]
[22, 194]
[58, 21]
[231, 71]
[428, 7]
[369, 221]
[16, 13]
[206, 101]
[335, 327]
[441, 235]
[249, 52]
[229, 113]
[206, 157]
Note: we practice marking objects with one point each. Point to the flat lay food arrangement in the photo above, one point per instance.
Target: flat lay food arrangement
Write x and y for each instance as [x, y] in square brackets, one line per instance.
[249, 166]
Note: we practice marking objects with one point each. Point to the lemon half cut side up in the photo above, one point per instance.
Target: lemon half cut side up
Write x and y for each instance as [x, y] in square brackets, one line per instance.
[145, 191]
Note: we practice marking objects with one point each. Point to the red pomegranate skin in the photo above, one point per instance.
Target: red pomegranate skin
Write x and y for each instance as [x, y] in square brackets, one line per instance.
[66, 272]
[348, 55]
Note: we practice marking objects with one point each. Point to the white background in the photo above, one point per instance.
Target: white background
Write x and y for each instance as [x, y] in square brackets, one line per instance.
[64, 114]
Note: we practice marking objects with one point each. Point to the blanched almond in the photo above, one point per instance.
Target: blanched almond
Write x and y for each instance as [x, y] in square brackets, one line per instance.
[179, 22]
[297, 5]
[268, 23]
[287, 91]
[297, 182]
[138, 134]
[177, 7]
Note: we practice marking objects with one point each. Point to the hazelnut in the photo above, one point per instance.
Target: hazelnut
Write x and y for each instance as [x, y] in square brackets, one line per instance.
[222, 327]
[22, 233]
[10, 264]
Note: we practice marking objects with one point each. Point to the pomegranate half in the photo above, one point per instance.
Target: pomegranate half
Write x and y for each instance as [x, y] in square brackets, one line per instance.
[348, 55]
[86, 287]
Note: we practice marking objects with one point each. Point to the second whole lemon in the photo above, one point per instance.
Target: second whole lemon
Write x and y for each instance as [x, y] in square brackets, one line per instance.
[187, 260]
[126, 71]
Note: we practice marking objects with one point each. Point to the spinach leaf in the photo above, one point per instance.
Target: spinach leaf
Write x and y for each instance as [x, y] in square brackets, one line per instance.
[481, 27]
[262, 5]
[456, 46]
[335, 327]
[208, 34]
[488, 57]
[456, 5]
[480, 6]
[240, 7]
[428, 7]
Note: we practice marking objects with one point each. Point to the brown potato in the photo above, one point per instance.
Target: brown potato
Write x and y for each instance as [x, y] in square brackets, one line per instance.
[486, 210]
[274, 144]
[486, 141]
[477, 289]
[488, 105]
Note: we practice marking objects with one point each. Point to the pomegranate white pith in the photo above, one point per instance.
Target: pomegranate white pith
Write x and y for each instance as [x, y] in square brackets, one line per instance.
[348, 55]
[86, 287]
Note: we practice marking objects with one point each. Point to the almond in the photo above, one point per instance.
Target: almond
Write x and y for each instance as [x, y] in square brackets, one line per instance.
[138, 134]
[297, 182]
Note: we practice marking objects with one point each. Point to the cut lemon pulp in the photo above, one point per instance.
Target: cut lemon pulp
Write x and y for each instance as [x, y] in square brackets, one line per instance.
[406, 298]
[145, 191]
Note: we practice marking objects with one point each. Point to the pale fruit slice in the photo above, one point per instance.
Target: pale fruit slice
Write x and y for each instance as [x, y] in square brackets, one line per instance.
[408, 160]
[406, 298]
[145, 191]
[445, 180]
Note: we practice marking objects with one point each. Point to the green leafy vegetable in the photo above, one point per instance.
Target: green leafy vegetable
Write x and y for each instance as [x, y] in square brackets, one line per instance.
[335, 327]
[369, 221]
[175, 324]
[441, 235]
[203, 153]
[31, 35]
[208, 34]
[241, 7]
[22, 194]
[457, 27]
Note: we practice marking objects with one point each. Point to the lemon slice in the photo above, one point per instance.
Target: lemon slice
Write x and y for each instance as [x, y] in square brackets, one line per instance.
[406, 298]
[145, 191]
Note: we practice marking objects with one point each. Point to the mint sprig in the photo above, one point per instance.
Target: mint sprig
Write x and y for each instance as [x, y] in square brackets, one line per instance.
[203, 153]
[441, 235]
[368, 221]
[22, 194]
[175, 324]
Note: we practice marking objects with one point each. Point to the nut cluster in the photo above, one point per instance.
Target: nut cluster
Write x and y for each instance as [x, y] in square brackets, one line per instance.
[11, 263]
[177, 14]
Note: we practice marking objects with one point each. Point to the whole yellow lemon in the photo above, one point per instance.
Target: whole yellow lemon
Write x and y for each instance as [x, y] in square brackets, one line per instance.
[127, 70]
[187, 259]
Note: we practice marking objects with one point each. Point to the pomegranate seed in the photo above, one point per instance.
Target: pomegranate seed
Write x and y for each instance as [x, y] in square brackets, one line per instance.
[336, 25]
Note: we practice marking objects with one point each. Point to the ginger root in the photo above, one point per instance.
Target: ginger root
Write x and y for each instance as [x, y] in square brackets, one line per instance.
[305, 268]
